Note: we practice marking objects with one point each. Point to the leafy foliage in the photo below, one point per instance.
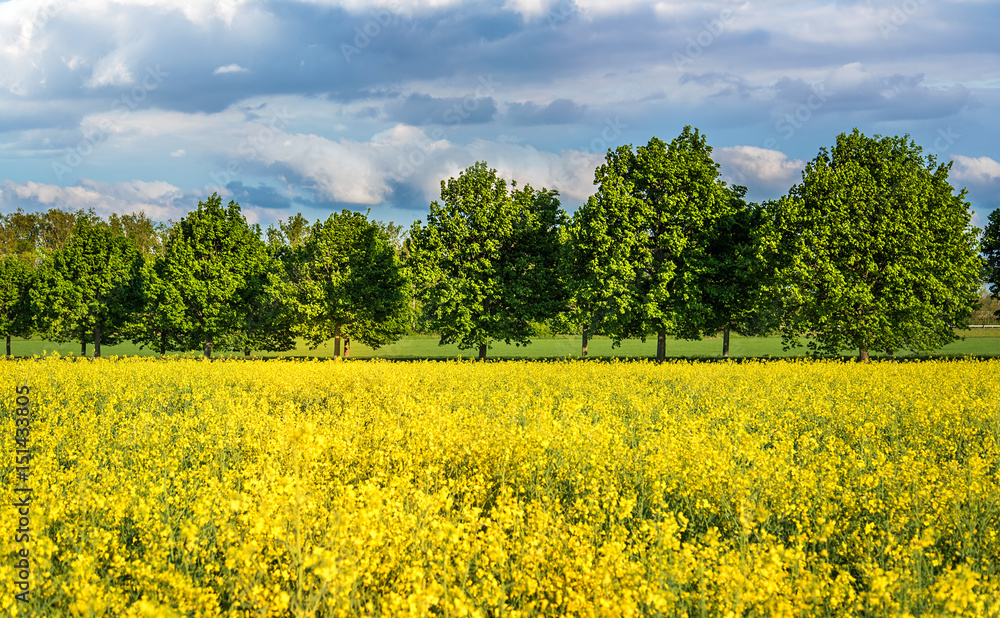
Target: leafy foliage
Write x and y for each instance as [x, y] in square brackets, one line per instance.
[147, 235]
[213, 270]
[737, 280]
[643, 261]
[485, 260]
[88, 287]
[347, 280]
[15, 301]
[991, 251]
[875, 250]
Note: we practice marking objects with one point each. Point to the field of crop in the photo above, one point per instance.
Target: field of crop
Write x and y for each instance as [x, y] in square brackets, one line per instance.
[290, 488]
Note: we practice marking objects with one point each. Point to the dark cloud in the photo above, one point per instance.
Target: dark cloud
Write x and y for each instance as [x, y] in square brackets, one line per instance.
[883, 97]
[271, 198]
[423, 109]
[725, 84]
[407, 196]
[781, 75]
[261, 196]
[560, 111]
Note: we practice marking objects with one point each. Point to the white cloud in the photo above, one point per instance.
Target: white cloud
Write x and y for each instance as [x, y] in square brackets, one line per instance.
[750, 165]
[358, 172]
[70, 73]
[975, 169]
[109, 71]
[981, 176]
[528, 8]
[159, 200]
[532, 8]
[229, 68]
[195, 12]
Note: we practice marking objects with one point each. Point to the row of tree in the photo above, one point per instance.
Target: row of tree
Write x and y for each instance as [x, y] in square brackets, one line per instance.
[873, 250]
[211, 281]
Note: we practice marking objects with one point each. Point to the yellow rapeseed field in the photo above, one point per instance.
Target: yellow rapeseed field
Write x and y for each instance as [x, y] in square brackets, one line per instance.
[307, 488]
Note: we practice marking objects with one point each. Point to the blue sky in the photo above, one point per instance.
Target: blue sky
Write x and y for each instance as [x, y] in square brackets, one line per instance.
[316, 105]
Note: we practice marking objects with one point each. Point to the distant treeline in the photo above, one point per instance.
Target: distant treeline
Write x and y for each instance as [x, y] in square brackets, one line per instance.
[873, 250]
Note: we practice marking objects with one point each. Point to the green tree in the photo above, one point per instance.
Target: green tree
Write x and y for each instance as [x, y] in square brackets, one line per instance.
[348, 282]
[151, 326]
[876, 249]
[15, 300]
[397, 235]
[146, 327]
[289, 234]
[736, 282]
[20, 235]
[36, 234]
[267, 322]
[56, 227]
[147, 235]
[485, 261]
[88, 287]
[213, 265]
[584, 243]
[643, 240]
[991, 251]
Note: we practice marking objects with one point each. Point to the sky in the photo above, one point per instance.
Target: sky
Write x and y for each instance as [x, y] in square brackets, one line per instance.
[314, 106]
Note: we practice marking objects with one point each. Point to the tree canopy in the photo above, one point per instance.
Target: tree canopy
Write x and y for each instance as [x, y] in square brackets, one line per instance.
[89, 287]
[875, 250]
[15, 302]
[485, 259]
[348, 281]
[736, 281]
[991, 252]
[214, 264]
[643, 240]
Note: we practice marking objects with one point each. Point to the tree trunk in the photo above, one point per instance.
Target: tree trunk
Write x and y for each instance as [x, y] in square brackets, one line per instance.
[246, 351]
[347, 346]
[163, 343]
[97, 341]
[336, 341]
[862, 355]
[83, 347]
[725, 342]
[586, 332]
[8, 344]
[891, 352]
[208, 347]
[482, 352]
[661, 346]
